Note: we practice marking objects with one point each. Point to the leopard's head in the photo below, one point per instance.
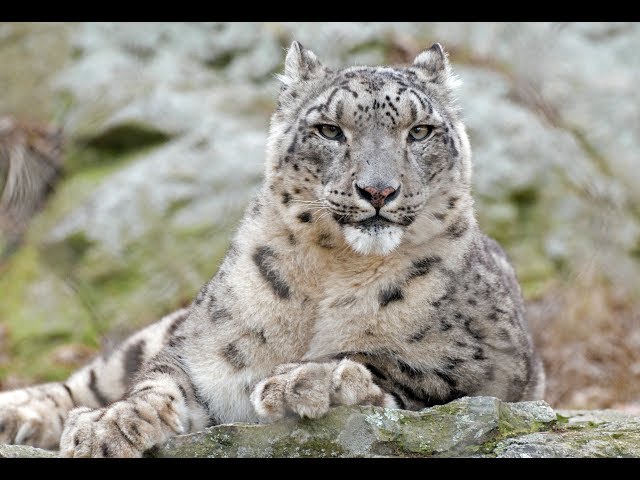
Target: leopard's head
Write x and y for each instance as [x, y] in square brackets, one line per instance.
[380, 152]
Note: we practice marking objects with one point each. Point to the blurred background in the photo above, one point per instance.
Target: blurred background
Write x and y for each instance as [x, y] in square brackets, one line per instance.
[129, 151]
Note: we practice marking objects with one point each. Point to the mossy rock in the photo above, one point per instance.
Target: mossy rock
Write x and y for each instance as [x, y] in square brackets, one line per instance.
[467, 427]
[461, 428]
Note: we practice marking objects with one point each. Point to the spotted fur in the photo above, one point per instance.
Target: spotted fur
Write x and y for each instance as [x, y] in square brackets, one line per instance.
[357, 276]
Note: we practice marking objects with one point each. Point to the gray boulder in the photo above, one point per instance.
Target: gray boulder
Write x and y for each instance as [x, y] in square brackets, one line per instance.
[468, 427]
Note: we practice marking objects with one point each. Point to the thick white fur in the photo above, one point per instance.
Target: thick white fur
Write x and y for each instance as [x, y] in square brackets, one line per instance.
[293, 305]
[373, 242]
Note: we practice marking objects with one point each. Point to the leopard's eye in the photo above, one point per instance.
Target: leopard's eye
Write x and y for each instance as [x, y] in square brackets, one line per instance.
[420, 132]
[330, 131]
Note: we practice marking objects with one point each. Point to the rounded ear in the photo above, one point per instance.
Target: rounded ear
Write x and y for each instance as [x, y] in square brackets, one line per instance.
[300, 65]
[433, 59]
[435, 63]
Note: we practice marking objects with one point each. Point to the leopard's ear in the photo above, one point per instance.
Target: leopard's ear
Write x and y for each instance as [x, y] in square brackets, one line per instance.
[300, 65]
[434, 62]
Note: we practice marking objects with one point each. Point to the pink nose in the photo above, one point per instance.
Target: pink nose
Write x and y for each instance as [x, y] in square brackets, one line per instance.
[377, 197]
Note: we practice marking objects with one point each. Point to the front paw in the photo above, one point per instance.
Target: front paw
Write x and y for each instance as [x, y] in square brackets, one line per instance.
[303, 390]
[309, 389]
[32, 416]
[24, 425]
[124, 429]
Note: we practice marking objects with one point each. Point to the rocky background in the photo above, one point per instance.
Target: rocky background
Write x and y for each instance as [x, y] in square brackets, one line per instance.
[164, 127]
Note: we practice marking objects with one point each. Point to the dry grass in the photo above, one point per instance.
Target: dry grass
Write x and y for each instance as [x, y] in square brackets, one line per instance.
[588, 333]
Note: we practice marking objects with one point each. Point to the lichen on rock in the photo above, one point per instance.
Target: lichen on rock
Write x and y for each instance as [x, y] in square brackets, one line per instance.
[467, 427]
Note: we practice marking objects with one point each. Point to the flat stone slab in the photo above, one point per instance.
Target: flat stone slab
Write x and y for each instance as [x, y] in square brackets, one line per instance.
[23, 451]
[468, 427]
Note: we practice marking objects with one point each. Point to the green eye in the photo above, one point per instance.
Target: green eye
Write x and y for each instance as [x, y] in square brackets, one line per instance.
[330, 131]
[420, 132]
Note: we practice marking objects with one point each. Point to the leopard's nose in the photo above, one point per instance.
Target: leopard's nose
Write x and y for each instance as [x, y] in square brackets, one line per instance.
[378, 197]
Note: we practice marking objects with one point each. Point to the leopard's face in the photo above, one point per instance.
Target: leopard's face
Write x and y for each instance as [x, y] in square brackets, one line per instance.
[368, 147]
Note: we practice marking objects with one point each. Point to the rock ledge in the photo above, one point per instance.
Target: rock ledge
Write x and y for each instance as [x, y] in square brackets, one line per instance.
[468, 427]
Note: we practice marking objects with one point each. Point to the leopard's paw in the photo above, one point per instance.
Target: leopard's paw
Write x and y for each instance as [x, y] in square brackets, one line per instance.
[304, 390]
[33, 416]
[124, 429]
[309, 389]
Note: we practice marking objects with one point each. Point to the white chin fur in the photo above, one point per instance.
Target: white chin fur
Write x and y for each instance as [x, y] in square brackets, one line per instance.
[373, 242]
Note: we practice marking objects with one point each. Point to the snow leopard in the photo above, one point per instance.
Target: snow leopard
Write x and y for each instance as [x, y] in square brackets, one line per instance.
[357, 276]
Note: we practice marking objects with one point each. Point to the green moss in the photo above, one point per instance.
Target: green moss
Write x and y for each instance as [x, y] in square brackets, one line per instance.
[223, 439]
[451, 408]
[95, 293]
[520, 224]
[94, 156]
[69, 252]
[378, 44]
[85, 169]
[63, 102]
[488, 448]
[41, 313]
[126, 137]
[73, 291]
[78, 244]
[524, 198]
[511, 422]
[177, 205]
[422, 435]
[88, 161]
[220, 61]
